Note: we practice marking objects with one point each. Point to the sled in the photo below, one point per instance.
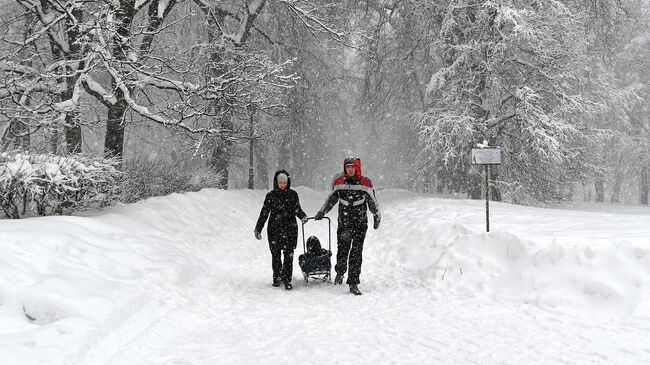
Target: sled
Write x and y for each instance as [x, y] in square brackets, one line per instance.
[314, 264]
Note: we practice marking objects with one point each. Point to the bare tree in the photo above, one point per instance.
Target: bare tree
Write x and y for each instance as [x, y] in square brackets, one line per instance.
[107, 50]
[236, 27]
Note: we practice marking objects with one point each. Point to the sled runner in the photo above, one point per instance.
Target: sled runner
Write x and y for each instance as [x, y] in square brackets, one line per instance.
[316, 262]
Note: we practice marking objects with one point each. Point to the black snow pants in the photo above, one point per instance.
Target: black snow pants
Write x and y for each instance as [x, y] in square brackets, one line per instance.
[282, 269]
[350, 243]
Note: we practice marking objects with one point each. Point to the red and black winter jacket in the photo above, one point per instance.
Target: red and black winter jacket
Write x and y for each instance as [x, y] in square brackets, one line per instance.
[355, 195]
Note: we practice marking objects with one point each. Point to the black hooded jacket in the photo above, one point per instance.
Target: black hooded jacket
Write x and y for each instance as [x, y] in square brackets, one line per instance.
[281, 207]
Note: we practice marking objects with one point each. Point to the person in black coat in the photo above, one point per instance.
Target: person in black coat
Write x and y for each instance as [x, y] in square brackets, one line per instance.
[281, 207]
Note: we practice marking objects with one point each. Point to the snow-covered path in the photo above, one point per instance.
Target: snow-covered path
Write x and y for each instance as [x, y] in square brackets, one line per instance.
[181, 280]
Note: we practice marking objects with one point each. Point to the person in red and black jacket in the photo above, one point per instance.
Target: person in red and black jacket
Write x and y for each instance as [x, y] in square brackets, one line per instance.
[355, 195]
[281, 207]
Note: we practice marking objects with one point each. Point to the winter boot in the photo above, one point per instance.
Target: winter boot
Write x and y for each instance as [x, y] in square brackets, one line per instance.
[276, 281]
[338, 280]
[288, 286]
[354, 289]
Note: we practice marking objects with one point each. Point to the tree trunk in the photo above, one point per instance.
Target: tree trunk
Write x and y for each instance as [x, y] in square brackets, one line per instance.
[584, 191]
[644, 184]
[222, 153]
[54, 139]
[299, 166]
[427, 183]
[72, 128]
[284, 153]
[616, 189]
[495, 192]
[222, 149]
[114, 141]
[262, 166]
[599, 187]
[251, 142]
[220, 160]
[72, 134]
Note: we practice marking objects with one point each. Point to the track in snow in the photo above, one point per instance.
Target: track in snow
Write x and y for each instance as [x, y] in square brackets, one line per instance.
[231, 314]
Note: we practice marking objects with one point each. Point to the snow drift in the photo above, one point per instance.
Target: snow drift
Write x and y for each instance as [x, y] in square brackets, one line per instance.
[96, 289]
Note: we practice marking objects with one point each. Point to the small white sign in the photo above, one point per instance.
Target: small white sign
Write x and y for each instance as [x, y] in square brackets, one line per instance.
[486, 156]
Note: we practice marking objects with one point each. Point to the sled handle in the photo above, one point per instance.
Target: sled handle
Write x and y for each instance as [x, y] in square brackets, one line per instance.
[329, 234]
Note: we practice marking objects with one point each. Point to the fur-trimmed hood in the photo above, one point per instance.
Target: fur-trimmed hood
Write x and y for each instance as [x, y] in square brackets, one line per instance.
[275, 179]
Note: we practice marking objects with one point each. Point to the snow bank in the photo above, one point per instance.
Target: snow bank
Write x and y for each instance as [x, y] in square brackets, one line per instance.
[552, 258]
[67, 282]
[81, 289]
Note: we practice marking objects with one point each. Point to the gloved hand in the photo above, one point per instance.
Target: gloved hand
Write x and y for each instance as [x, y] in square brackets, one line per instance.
[319, 215]
[377, 220]
[304, 219]
[258, 235]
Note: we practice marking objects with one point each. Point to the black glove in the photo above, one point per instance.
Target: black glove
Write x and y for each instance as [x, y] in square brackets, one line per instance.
[376, 221]
[258, 235]
[319, 215]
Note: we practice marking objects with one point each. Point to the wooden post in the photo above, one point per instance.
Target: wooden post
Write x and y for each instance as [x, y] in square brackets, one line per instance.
[486, 157]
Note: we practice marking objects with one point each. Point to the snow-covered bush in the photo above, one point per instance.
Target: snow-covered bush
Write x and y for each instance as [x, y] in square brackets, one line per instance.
[50, 184]
[144, 178]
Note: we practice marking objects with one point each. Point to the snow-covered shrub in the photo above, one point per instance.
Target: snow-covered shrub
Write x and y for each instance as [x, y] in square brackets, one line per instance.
[52, 184]
[144, 178]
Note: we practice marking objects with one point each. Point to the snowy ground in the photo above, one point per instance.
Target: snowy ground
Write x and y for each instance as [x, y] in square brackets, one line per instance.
[181, 280]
